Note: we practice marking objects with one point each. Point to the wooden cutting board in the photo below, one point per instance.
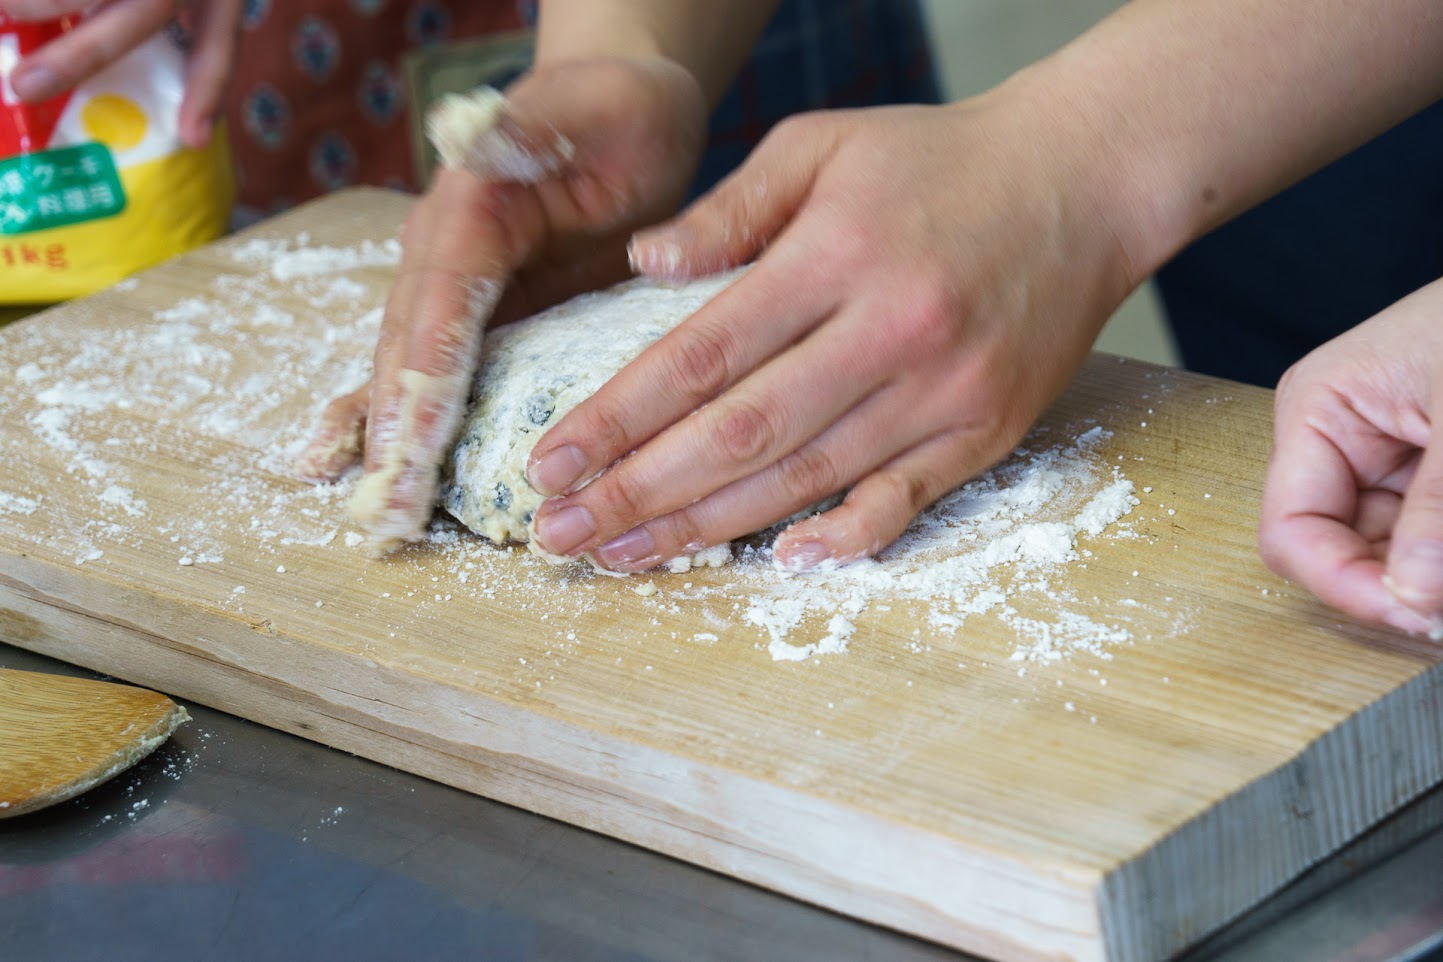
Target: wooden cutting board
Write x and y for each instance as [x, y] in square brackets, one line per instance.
[1109, 759]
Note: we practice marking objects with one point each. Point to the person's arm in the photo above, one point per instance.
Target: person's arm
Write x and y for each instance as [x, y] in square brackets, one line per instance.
[1190, 113]
[711, 40]
[929, 279]
[1274, 91]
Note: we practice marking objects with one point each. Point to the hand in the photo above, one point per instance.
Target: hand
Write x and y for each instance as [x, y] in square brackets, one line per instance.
[114, 29]
[615, 143]
[1353, 504]
[932, 278]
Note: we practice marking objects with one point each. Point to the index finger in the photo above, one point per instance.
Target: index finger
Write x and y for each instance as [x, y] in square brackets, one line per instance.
[28, 10]
[1306, 531]
[463, 240]
[93, 44]
[761, 313]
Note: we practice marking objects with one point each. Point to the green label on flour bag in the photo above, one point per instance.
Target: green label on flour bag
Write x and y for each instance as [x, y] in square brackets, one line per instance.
[52, 188]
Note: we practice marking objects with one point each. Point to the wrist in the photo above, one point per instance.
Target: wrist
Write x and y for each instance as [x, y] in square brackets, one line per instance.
[597, 37]
[1113, 171]
[709, 41]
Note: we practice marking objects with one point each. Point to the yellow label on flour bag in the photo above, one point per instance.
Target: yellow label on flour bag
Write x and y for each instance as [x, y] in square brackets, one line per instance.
[95, 183]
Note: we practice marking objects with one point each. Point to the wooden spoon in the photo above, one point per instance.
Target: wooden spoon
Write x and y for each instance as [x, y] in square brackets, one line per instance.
[61, 736]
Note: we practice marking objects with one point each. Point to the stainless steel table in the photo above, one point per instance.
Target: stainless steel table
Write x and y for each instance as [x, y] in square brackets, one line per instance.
[236, 842]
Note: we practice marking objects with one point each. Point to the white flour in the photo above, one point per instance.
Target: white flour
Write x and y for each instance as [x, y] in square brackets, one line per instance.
[189, 386]
[11, 504]
[977, 550]
[287, 262]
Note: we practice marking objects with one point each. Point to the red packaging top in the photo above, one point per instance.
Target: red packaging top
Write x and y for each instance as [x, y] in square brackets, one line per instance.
[26, 128]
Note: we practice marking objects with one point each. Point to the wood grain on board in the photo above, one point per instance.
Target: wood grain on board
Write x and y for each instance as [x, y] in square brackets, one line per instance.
[1117, 803]
[62, 736]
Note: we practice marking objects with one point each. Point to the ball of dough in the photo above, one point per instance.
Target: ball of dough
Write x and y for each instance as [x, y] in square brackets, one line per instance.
[535, 371]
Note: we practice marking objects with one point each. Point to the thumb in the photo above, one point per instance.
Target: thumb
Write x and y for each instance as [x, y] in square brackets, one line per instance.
[482, 132]
[1415, 556]
[741, 215]
[212, 57]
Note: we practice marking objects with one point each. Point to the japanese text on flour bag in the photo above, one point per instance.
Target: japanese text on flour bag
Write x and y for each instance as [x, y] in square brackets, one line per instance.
[95, 184]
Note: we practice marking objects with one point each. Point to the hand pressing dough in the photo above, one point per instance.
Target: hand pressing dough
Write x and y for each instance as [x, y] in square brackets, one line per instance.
[535, 371]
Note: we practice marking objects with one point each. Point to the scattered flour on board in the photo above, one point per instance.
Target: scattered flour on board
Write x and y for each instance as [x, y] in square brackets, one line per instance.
[286, 262]
[995, 539]
[13, 504]
[211, 379]
[217, 376]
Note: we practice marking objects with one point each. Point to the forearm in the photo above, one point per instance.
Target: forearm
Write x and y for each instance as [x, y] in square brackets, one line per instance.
[711, 40]
[1187, 114]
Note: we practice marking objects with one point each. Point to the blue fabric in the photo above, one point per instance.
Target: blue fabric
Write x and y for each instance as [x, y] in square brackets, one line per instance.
[821, 54]
[1258, 293]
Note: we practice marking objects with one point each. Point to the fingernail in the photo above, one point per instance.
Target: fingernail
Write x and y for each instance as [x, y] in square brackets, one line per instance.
[660, 254]
[1415, 571]
[636, 545]
[556, 471]
[566, 530]
[1406, 619]
[805, 556]
[657, 258]
[34, 82]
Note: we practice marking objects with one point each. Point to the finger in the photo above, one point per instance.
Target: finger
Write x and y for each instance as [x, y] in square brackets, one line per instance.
[458, 255]
[336, 443]
[1310, 500]
[769, 307]
[804, 477]
[1415, 559]
[790, 400]
[817, 470]
[627, 136]
[881, 505]
[890, 494]
[416, 414]
[481, 132]
[741, 215]
[208, 71]
[1376, 517]
[463, 240]
[101, 39]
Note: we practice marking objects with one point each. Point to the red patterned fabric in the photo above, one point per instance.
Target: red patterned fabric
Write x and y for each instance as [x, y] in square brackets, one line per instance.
[317, 99]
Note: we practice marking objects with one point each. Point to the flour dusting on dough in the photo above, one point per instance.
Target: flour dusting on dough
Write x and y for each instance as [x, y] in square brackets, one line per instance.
[532, 373]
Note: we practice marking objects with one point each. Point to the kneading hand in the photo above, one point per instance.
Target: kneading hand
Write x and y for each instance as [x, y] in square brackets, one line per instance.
[1353, 505]
[113, 29]
[931, 279]
[609, 145]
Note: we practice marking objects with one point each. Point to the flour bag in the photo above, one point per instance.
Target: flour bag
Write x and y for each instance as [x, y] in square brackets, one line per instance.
[95, 184]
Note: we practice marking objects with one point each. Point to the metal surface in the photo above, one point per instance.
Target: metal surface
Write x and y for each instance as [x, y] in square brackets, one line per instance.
[238, 842]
